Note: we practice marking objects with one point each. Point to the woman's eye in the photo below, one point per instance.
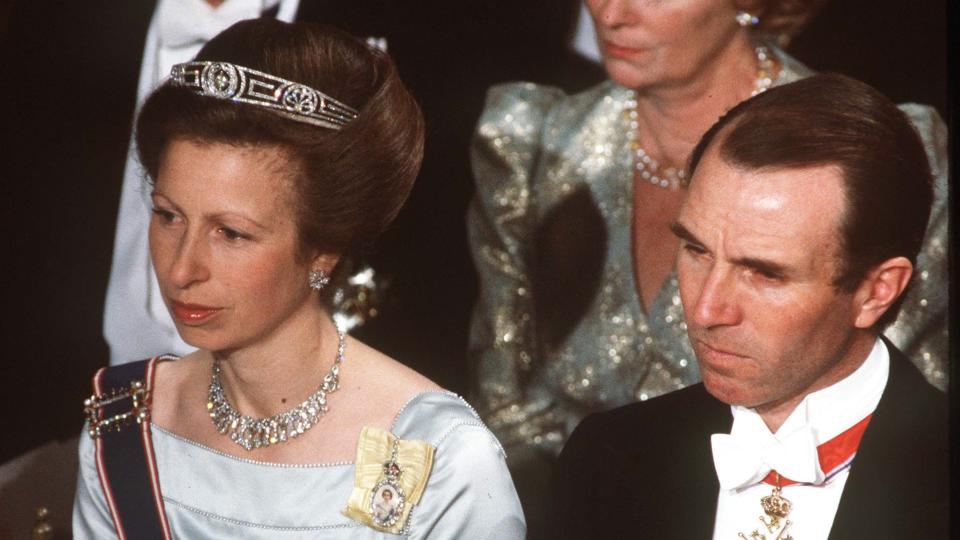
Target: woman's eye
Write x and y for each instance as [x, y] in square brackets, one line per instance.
[165, 216]
[232, 235]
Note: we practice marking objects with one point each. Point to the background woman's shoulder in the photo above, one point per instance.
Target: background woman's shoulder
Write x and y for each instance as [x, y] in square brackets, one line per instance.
[526, 105]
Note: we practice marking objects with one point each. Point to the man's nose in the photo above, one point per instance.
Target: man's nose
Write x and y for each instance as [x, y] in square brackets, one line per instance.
[717, 304]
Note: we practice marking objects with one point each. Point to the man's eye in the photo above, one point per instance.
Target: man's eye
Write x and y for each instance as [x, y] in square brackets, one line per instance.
[768, 275]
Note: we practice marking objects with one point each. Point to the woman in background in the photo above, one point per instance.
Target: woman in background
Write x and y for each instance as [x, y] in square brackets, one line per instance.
[579, 309]
[281, 148]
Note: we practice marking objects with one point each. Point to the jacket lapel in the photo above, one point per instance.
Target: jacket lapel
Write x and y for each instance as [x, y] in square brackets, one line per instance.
[686, 483]
[703, 487]
[897, 470]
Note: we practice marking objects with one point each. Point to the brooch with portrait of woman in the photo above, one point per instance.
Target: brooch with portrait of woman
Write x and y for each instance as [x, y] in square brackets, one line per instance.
[391, 474]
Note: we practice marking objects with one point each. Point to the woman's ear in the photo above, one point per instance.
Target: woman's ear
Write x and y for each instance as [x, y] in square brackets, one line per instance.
[880, 290]
[321, 269]
[325, 261]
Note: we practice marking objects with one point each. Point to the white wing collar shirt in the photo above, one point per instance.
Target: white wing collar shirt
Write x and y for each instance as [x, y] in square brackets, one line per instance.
[136, 323]
[745, 456]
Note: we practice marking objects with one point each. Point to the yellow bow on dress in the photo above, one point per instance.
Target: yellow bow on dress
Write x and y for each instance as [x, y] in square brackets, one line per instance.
[374, 449]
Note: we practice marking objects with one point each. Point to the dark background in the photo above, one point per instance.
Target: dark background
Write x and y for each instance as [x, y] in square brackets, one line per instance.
[62, 128]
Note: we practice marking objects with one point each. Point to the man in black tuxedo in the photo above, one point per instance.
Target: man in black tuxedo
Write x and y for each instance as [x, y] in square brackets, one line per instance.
[806, 209]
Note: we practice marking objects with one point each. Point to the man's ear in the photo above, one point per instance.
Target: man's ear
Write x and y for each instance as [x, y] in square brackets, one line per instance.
[880, 289]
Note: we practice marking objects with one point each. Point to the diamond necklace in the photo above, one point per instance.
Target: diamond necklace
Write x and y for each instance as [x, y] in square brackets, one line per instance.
[675, 177]
[251, 432]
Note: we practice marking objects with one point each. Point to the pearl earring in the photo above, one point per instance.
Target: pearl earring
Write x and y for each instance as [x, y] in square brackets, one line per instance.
[745, 18]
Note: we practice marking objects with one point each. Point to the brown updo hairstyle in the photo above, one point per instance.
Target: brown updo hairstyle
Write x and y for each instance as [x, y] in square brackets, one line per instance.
[348, 184]
[781, 18]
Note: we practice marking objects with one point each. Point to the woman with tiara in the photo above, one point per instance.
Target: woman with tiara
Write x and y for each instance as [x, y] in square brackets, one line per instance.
[277, 151]
[579, 309]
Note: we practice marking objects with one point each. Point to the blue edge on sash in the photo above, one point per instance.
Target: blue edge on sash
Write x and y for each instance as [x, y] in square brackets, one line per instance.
[125, 459]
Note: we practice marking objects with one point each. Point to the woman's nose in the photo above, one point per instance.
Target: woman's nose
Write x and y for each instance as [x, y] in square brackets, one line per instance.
[190, 262]
[611, 13]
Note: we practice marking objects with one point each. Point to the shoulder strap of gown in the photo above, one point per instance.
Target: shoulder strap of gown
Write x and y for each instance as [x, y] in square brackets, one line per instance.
[119, 413]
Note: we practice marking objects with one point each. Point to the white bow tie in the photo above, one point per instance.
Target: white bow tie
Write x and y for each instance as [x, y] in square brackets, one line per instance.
[750, 452]
[183, 23]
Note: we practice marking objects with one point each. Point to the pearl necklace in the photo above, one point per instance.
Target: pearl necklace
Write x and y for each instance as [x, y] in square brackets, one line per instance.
[675, 177]
[250, 432]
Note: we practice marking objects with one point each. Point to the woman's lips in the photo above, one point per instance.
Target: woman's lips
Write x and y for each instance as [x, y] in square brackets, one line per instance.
[193, 313]
[618, 51]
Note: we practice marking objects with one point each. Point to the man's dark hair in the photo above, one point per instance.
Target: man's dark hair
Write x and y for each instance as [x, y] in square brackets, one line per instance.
[835, 120]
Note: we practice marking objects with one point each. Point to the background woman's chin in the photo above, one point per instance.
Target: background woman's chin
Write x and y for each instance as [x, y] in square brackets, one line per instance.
[627, 73]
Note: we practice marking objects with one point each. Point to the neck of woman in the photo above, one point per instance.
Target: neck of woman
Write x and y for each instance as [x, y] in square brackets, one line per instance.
[281, 370]
[672, 118]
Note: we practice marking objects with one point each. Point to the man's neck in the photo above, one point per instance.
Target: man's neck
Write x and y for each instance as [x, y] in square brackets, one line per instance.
[776, 413]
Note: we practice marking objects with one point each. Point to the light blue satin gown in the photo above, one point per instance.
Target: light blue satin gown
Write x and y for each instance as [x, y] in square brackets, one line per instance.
[210, 495]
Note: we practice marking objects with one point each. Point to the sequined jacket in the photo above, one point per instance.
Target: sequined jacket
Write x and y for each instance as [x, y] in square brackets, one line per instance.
[558, 331]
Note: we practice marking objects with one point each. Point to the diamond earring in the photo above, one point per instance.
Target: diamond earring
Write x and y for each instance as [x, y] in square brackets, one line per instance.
[745, 18]
[318, 279]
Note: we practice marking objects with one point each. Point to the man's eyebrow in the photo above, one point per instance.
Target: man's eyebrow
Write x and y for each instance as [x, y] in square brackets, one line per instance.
[763, 266]
[684, 234]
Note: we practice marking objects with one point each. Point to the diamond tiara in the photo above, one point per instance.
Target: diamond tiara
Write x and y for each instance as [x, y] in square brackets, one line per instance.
[223, 80]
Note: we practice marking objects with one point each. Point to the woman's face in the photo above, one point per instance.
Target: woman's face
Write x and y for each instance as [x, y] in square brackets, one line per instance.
[650, 43]
[224, 243]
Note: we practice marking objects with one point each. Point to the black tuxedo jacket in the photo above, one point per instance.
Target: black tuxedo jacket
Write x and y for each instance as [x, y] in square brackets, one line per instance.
[646, 470]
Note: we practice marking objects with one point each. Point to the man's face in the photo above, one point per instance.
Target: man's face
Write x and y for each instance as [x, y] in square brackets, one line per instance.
[759, 252]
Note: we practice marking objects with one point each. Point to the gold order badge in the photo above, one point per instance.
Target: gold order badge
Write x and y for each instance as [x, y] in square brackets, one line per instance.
[776, 507]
